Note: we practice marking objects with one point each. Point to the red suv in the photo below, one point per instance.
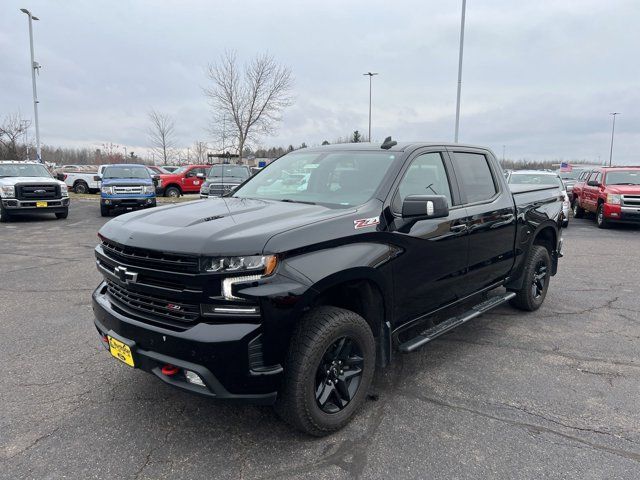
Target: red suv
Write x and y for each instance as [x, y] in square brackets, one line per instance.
[186, 179]
[612, 193]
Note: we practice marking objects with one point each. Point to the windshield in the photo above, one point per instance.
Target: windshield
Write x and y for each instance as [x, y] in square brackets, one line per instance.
[339, 179]
[23, 170]
[134, 171]
[177, 170]
[623, 177]
[535, 179]
[228, 171]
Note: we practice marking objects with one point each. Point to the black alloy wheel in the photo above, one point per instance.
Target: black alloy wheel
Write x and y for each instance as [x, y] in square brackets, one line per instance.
[539, 279]
[339, 374]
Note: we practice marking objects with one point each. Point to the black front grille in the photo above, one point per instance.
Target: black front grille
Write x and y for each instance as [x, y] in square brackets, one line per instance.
[631, 200]
[152, 305]
[37, 192]
[150, 259]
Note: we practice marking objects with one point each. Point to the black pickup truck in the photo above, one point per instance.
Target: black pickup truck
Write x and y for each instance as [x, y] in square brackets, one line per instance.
[292, 293]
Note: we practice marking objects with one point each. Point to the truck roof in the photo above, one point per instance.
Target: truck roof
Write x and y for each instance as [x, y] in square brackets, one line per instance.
[399, 147]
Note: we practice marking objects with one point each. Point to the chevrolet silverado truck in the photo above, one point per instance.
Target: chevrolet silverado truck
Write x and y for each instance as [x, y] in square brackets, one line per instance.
[612, 193]
[28, 187]
[293, 297]
[126, 186]
[186, 179]
[222, 179]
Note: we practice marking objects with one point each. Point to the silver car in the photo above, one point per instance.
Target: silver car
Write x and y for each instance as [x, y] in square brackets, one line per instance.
[542, 178]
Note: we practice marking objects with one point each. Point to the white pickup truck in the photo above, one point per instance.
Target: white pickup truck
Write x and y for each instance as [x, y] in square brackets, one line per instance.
[81, 181]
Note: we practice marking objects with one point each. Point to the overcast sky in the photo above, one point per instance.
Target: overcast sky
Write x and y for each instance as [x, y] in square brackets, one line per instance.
[539, 77]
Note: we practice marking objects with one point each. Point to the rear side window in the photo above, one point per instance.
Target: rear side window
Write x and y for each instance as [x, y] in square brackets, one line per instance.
[474, 176]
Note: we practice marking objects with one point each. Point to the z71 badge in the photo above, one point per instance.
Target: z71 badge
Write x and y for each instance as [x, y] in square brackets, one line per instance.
[366, 222]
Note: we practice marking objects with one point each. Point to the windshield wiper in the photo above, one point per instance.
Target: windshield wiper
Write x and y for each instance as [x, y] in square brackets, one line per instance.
[288, 200]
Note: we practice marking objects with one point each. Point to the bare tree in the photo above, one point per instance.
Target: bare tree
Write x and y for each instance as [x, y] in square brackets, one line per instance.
[13, 127]
[162, 135]
[247, 102]
[200, 150]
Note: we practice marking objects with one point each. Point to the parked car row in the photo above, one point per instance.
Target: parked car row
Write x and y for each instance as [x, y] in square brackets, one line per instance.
[612, 193]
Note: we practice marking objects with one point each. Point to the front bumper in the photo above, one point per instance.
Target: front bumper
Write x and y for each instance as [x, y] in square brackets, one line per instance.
[14, 206]
[622, 214]
[218, 353]
[131, 202]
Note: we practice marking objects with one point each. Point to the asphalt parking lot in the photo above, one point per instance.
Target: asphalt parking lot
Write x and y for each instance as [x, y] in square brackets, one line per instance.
[551, 394]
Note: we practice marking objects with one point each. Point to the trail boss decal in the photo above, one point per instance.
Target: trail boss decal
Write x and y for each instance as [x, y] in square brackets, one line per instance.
[366, 222]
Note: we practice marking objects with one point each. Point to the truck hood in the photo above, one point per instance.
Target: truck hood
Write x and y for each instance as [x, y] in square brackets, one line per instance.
[623, 189]
[222, 226]
[39, 180]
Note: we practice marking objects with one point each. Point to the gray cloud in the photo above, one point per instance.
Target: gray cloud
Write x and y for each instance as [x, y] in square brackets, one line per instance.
[539, 77]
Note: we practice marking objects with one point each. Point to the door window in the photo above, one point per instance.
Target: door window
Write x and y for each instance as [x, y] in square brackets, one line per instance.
[475, 178]
[425, 176]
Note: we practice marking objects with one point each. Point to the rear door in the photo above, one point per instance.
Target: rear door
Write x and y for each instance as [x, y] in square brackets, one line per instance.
[490, 218]
[428, 272]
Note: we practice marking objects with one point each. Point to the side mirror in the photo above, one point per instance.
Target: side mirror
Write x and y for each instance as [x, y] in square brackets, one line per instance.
[60, 176]
[200, 175]
[155, 179]
[97, 178]
[425, 206]
[593, 183]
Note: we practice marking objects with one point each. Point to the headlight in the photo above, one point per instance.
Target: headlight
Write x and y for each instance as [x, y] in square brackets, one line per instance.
[107, 190]
[8, 191]
[159, 183]
[149, 189]
[64, 190]
[204, 189]
[613, 199]
[264, 264]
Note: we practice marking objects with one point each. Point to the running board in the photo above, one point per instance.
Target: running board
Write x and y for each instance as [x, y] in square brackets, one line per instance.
[442, 328]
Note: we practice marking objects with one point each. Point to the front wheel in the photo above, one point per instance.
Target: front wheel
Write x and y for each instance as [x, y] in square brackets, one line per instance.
[578, 211]
[328, 370]
[537, 273]
[61, 215]
[601, 221]
[104, 211]
[4, 216]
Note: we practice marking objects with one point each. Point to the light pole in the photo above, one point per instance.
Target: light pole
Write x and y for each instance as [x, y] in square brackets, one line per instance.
[464, 8]
[370, 75]
[613, 129]
[34, 66]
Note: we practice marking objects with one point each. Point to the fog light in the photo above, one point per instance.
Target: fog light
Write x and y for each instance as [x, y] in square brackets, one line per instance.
[107, 202]
[149, 200]
[614, 214]
[193, 377]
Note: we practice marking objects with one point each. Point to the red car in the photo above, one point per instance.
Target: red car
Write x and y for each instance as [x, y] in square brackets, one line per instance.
[186, 179]
[612, 193]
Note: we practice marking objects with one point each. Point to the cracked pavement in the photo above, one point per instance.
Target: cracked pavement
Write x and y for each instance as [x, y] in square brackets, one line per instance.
[550, 394]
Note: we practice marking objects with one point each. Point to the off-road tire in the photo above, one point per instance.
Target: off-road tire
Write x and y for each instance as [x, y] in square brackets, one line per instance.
[526, 298]
[81, 187]
[315, 333]
[4, 216]
[600, 220]
[578, 211]
[172, 192]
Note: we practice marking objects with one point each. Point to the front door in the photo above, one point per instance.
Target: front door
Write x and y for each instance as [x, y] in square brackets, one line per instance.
[428, 272]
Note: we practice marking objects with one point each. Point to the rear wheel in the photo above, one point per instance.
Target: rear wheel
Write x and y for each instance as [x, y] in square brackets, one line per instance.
[601, 221]
[61, 215]
[172, 192]
[578, 211]
[104, 211]
[81, 187]
[328, 371]
[537, 273]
